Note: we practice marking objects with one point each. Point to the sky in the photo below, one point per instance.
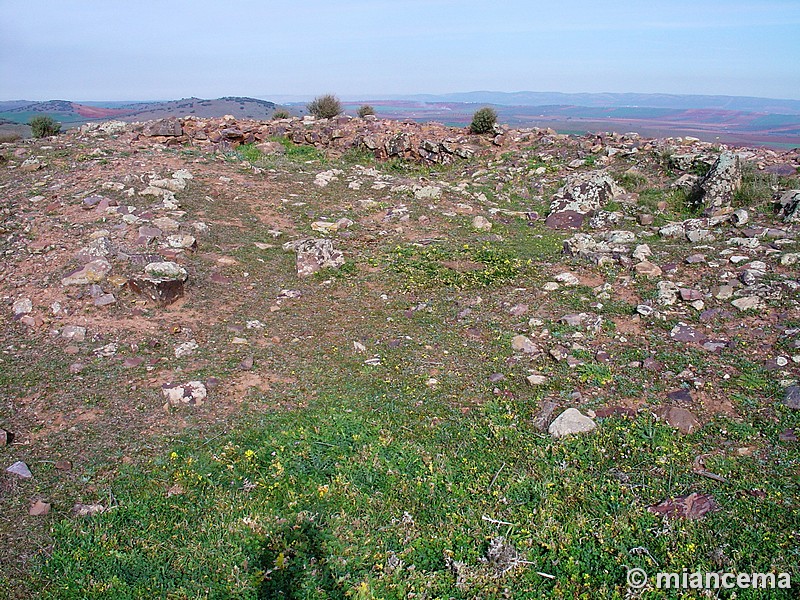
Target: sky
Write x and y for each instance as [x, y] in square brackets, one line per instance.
[361, 49]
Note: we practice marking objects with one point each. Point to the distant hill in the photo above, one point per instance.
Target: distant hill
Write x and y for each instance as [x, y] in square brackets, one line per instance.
[73, 113]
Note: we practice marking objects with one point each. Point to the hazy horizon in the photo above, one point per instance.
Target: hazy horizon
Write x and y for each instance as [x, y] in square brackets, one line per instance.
[295, 98]
[118, 51]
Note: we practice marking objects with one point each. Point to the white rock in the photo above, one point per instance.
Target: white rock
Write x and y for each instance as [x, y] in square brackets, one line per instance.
[641, 252]
[567, 279]
[748, 303]
[191, 394]
[520, 343]
[536, 379]
[22, 307]
[166, 271]
[482, 223]
[571, 421]
[20, 469]
[186, 348]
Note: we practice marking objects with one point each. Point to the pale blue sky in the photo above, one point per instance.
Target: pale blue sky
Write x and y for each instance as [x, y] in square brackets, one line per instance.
[167, 49]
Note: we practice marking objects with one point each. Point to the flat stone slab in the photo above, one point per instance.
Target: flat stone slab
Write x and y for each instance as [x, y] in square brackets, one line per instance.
[20, 469]
[94, 271]
[192, 393]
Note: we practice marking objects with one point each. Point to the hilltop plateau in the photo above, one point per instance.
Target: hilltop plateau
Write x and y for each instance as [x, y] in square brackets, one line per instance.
[370, 358]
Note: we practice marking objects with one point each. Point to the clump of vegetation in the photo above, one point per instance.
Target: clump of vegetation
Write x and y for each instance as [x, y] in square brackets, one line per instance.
[299, 152]
[365, 110]
[281, 114]
[325, 107]
[757, 186]
[249, 152]
[9, 136]
[631, 181]
[468, 266]
[483, 120]
[44, 126]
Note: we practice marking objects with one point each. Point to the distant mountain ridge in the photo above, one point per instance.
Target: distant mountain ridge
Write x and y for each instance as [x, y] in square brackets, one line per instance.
[611, 100]
[74, 113]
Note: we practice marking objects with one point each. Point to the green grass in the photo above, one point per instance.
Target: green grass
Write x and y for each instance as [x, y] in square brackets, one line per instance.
[312, 504]
[467, 266]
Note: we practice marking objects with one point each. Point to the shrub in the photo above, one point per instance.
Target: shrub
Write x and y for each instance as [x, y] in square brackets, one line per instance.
[281, 114]
[483, 120]
[365, 110]
[43, 126]
[325, 107]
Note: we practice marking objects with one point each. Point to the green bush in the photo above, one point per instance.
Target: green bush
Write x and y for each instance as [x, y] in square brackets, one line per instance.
[483, 120]
[325, 107]
[44, 126]
[365, 110]
[281, 114]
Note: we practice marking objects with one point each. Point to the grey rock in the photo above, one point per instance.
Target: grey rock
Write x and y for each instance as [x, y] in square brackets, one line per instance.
[75, 333]
[544, 416]
[792, 397]
[716, 189]
[163, 127]
[482, 223]
[23, 306]
[788, 206]
[667, 293]
[582, 195]
[314, 255]
[699, 235]
[105, 300]
[570, 422]
[20, 469]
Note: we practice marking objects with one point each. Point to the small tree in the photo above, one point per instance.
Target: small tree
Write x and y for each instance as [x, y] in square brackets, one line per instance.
[365, 110]
[483, 120]
[44, 126]
[325, 107]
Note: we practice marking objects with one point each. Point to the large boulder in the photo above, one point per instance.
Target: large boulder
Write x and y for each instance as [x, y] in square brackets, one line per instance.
[163, 127]
[716, 189]
[162, 282]
[788, 206]
[582, 195]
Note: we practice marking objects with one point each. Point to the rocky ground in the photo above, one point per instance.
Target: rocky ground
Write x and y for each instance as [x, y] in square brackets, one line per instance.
[167, 277]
